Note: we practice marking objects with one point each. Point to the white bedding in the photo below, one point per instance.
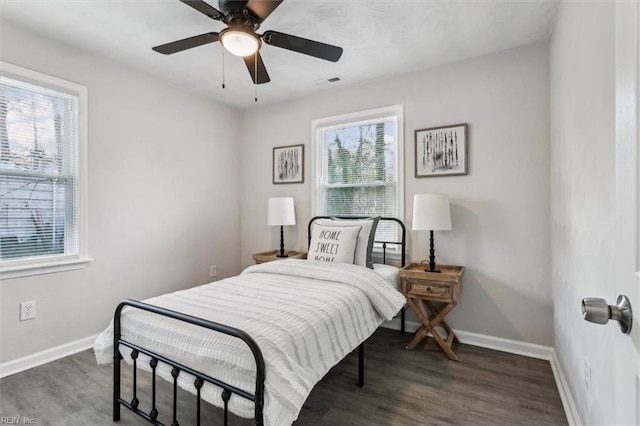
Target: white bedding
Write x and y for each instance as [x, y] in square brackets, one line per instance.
[305, 316]
[390, 273]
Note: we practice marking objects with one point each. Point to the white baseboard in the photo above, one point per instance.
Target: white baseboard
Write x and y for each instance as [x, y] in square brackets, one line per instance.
[568, 403]
[484, 341]
[515, 347]
[530, 350]
[39, 358]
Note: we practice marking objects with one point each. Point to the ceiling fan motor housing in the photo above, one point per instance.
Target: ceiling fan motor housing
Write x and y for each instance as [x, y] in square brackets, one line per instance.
[236, 12]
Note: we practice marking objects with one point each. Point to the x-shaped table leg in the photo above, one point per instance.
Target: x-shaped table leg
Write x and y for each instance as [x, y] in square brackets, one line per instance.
[421, 308]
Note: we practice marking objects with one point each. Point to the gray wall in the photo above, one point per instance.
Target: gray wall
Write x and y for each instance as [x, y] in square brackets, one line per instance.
[500, 211]
[582, 82]
[163, 197]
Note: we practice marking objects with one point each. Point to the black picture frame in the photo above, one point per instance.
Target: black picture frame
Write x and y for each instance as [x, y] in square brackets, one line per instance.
[441, 151]
[288, 164]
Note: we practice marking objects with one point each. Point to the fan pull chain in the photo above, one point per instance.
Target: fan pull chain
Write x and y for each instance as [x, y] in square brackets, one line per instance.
[223, 86]
[256, 76]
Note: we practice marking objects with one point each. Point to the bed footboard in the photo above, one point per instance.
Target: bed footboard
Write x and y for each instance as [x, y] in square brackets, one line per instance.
[257, 397]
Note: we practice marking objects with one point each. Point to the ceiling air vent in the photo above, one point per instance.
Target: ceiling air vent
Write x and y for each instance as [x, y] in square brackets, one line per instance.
[329, 80]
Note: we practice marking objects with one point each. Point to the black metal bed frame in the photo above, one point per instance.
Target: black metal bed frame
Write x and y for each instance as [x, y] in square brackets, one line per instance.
[257, 397]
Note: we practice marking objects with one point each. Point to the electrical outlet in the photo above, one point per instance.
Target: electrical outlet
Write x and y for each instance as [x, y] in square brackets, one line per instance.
[27, 310]
[587, 375]
[213, 271]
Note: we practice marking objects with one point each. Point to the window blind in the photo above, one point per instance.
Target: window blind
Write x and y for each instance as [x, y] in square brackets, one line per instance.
[39, 137]
[357, 172]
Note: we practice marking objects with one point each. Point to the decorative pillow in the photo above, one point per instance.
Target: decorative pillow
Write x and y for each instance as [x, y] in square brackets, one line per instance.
[364, 246]
[333, 243]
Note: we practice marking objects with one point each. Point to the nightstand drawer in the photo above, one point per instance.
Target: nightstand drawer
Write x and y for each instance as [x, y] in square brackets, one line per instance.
[436, 291]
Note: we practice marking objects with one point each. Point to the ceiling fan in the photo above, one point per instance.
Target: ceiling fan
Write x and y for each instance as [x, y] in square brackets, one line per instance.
[243, 18]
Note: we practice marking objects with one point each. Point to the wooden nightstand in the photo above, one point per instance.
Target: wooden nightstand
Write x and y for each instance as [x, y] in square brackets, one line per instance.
[431, 296]
[269, 256]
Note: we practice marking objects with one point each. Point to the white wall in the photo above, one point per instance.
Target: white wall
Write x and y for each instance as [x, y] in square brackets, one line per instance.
[582, 196]
[500, 210]
[150, 143]
[163, 197]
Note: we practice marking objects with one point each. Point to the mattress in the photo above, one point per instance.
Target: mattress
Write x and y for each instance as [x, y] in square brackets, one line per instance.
[304, 315]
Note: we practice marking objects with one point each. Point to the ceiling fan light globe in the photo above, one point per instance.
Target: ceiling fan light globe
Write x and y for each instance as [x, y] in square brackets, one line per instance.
[239, 43]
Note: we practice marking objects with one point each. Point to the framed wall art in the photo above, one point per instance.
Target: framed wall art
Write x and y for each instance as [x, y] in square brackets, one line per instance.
[441, 151]
[288, 164]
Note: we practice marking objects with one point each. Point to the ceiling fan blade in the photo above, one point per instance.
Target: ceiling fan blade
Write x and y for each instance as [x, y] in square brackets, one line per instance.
[263, 76]
[205, 8]
[261, 9]
[303, 45]
[187, 43]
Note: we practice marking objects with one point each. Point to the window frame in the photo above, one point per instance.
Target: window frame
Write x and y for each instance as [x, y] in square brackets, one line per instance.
[318, 125]
[63, 262]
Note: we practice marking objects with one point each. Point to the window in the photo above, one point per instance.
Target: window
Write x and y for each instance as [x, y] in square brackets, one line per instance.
[358, 166]
[42, 184]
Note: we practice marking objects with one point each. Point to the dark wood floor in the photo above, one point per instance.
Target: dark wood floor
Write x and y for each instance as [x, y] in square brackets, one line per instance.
[419, 387]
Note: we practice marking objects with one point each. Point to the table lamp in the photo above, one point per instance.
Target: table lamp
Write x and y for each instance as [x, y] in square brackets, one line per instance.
[281, 212]
[431, 213]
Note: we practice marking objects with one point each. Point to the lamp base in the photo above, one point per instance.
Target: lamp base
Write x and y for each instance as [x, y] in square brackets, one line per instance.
[435, 271]
[282, 252]
[432, 256]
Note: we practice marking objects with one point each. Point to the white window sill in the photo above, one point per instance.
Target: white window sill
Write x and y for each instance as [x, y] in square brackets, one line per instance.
[8, 272]
[390, 255]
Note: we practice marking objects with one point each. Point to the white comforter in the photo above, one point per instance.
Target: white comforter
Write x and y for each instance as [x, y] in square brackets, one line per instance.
[305, 316]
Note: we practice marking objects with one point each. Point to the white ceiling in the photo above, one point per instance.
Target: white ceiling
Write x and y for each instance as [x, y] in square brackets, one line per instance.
[380, 38]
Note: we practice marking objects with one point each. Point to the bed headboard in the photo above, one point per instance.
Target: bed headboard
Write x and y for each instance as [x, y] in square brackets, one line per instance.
[402, 243]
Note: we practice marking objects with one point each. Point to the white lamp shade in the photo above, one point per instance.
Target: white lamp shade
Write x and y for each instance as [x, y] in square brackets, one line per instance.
[431, 212]
[281, 211]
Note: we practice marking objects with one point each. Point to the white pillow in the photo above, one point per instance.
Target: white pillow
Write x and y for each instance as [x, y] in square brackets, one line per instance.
[364, 246]
[333, 243]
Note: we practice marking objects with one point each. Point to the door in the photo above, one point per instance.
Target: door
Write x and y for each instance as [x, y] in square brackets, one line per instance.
[626, 348]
